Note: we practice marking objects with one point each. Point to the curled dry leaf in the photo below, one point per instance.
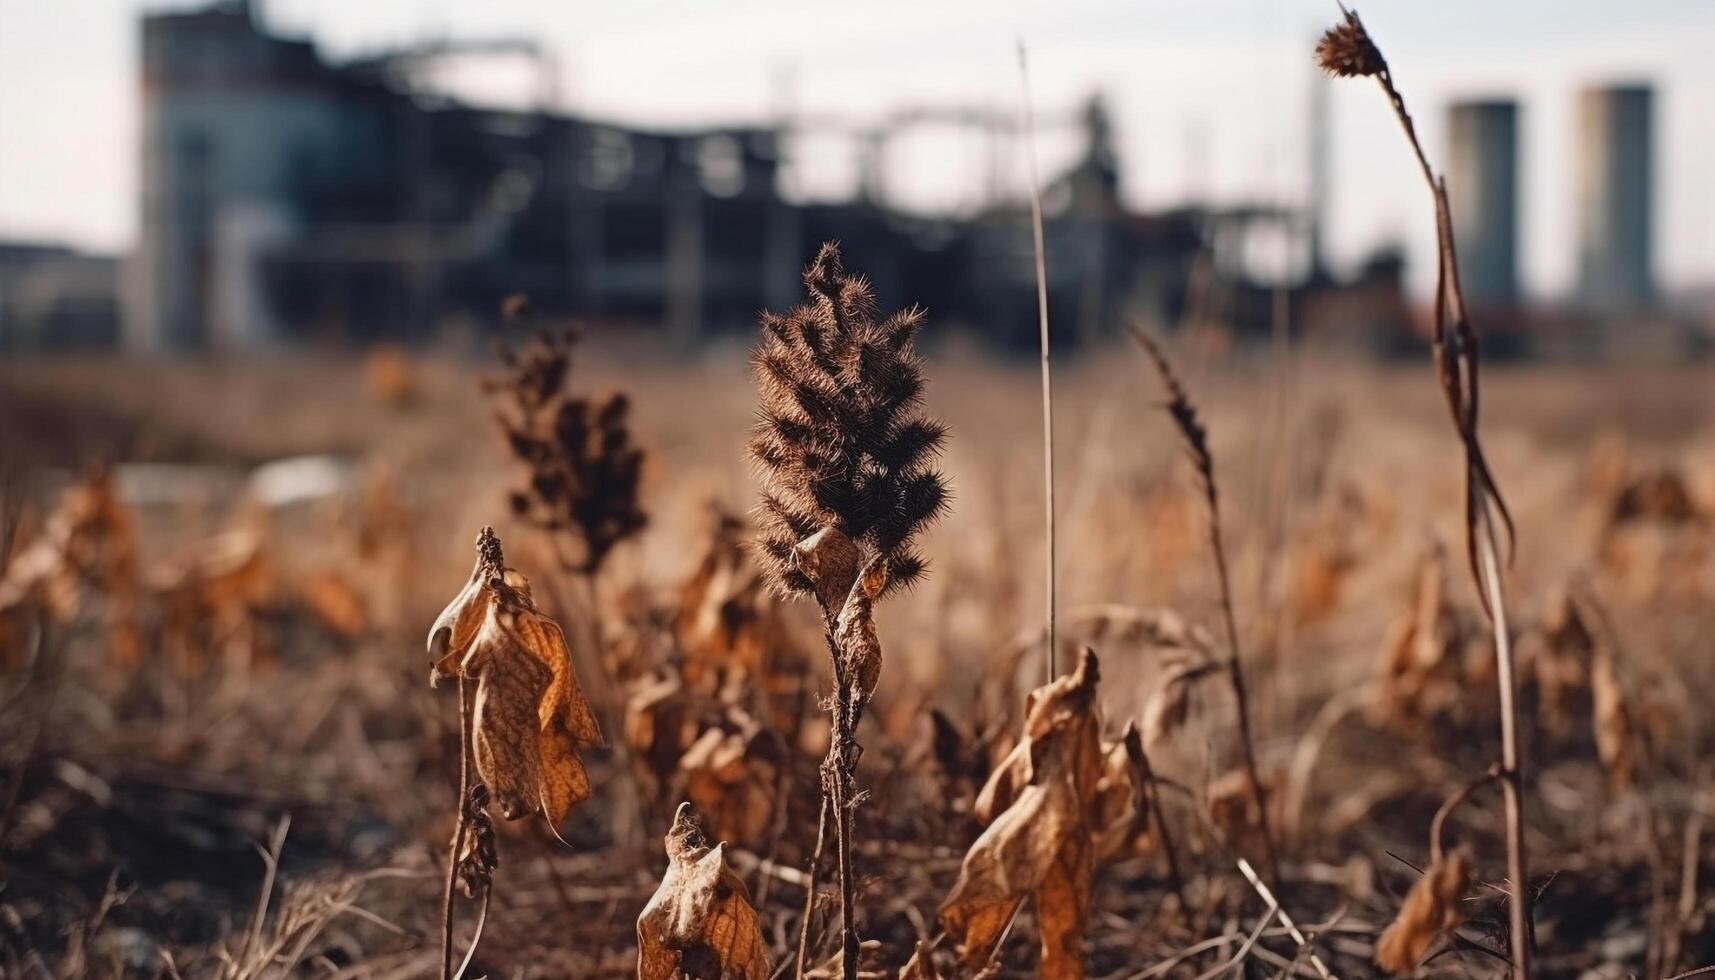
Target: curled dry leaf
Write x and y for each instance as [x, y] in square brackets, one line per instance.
[829, 560]
[661, 722]
[1120, 806]
[854, 630]
[724, 621]
[1170, 704]
[1431, 908]
[699, 923]
[531, 715]
[1040, 841]
[732, 775]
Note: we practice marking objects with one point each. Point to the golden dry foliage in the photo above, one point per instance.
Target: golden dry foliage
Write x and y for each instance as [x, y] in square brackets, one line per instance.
[390, 376]
[88, 547]
[722, 623]
[335, 602]
[699, 924]
[1040, 840]
[662, 719]
[531, 715]
[1557, 661]
[1169, 705]
[1430, 908]
[211, 597]
[730, 634]
[731, 773]
[854, 629]
[1612, 722]
[1423, 673]
[1120, 807]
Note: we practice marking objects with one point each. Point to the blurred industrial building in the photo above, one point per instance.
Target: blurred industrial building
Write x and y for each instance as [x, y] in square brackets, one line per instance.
[288, 199]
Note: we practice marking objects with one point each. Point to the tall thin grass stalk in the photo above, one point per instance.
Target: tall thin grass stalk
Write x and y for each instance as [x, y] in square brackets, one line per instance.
[1347, 50]
[1196, 440]
[1048, 670]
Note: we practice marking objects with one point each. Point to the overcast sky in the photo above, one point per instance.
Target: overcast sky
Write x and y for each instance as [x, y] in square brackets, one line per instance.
[1209, 96]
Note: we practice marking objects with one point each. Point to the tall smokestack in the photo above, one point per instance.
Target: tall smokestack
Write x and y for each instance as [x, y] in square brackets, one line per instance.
[1615, 160]
[1484, 189]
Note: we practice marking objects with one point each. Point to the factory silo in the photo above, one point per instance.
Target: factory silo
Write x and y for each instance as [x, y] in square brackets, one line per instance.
[1483, 191]
[1615, 197]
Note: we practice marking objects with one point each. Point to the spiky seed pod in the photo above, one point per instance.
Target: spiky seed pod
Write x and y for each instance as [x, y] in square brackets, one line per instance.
[1346, 50]
[840, 441]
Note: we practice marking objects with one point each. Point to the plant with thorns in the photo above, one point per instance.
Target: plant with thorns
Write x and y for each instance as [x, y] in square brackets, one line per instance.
[1348, 51]
[846, 460]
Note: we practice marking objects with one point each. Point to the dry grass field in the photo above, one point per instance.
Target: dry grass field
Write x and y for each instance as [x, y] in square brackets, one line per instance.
[222, 756]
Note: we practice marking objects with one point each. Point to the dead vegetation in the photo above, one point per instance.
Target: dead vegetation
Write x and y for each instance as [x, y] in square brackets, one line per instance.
[175, 688]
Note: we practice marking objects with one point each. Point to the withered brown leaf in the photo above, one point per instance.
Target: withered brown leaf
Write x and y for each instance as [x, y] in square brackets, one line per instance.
[531, 715]
[1611, 721]
[1040, 844]
[730, 777]
[88, 547]
[699, 923]
[1430, 908]
[854, 630]
[1119, 805]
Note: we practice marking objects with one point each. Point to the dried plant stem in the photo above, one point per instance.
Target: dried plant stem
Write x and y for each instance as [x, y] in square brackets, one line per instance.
[1196, 439]
[1438, 825]
[1241, 698]
[810, 885]
[1519, 922]
[476, 937]
[839, 787]
[1349, 50]
[1285, 920]
[1048, 669]
[1152, 800]
[459, 832]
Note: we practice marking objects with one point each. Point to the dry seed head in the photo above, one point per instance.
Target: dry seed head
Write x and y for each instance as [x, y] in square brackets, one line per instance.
[840, 442]
[1346, 50]
[1185, 419]
[583, 471]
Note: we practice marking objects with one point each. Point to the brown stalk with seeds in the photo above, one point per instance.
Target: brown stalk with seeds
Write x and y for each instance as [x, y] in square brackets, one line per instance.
[1196, 440]
[1347, 50]
[845, 458]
